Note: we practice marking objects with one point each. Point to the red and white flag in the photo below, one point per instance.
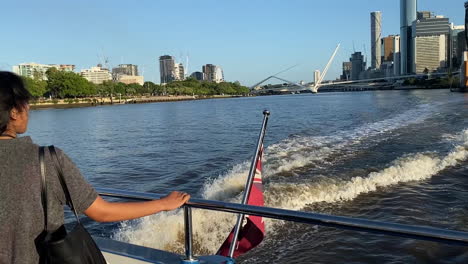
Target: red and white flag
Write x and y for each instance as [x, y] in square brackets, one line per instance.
[253, 229]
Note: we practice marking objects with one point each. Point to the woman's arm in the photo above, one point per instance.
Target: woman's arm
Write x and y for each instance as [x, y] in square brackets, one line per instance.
[103, 211]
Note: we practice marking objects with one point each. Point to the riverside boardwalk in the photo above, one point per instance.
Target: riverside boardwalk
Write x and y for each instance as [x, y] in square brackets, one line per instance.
[96, 101]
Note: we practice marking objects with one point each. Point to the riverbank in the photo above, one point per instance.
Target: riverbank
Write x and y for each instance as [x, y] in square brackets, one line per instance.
[89, 102]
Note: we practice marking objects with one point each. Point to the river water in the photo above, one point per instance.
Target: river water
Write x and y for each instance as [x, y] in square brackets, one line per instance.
[396, 156]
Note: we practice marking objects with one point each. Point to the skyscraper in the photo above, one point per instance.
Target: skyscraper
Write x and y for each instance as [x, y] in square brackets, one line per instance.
[430, 44]
[179, 72]
[407, 17]
[388, 44]
[461, 45]
[347, 66]
[396, 56]
[376, 32]
[213, 73]
[454, 52]
[166, 69]
[358, 65]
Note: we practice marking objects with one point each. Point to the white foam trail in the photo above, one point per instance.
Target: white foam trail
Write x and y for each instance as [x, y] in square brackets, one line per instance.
[298, 152]
[165, 231]
[416, 167]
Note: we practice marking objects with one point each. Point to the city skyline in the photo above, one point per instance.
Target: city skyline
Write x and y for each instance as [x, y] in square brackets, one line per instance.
[248, 46]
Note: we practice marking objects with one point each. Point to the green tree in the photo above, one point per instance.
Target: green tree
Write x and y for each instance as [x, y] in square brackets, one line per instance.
[63, 84]
[36, 87]
[38, 75]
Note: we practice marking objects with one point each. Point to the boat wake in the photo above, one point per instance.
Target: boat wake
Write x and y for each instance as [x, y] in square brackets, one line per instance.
[414, 167]
[165, 230]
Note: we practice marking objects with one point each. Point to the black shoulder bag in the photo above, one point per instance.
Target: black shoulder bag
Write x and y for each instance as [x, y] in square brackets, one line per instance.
[76, 247]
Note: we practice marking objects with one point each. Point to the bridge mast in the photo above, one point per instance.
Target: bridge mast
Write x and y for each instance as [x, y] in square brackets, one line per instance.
[317, 84]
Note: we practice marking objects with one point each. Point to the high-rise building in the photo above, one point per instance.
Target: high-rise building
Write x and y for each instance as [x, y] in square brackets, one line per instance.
[198, 76]
[38, 71]
[209, 71]
[127, 73]
[376, 33]
[358, 65]
[407, 17]
[430, 44]
[388, 48]
[170, 70]
[396, 56]
[347, 66]
[179, 72]
[166, 69]
[96, 75]
[461, 45]
[454, 51]
[213, 73]
[126, 69]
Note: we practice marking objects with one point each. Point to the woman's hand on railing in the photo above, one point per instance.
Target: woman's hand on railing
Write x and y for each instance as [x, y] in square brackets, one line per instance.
[174, 200]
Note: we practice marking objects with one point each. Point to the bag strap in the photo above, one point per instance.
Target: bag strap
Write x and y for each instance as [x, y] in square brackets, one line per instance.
[43, 186]
[56, 162]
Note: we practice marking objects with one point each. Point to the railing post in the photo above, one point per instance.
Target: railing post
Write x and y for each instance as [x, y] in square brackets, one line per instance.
[189, 258]
[249, 183]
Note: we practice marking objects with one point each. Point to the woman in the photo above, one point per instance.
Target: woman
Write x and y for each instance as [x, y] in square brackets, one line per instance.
[21, 214]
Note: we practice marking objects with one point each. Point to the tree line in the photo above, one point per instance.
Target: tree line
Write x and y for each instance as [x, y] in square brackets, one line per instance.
[64, 84]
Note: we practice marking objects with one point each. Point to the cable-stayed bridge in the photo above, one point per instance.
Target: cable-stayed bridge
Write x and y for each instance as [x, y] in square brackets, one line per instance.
[290, 86]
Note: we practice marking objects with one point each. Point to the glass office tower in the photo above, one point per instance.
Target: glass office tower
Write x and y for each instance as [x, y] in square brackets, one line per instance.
[407, 16]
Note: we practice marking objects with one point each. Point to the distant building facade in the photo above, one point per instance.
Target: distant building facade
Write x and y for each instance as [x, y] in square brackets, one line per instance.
[179, 72]
[388, 48]
[346, 75]
[213, 73]
[396, 56]
[96, 75]
[127, 73]
[126, 69]
[166, 69]
[64, 67]
[358, 65]
[129, 79]
[38, 71]
[424, 14]
[430, 44]
[376, 33]
[461, 45]
[169, 70]
[198, 76]
[454, 51]
[407, 17]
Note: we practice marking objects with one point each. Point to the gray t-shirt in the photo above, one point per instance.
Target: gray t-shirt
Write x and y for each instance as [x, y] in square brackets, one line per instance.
[21, 213]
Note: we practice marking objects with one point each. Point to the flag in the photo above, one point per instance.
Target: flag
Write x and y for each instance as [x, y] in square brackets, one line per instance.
[253, 228]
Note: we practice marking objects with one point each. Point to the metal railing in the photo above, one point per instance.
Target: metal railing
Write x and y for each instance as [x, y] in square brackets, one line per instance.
[341, 222]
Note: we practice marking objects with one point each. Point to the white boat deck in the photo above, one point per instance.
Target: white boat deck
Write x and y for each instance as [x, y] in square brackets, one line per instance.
[117, 252]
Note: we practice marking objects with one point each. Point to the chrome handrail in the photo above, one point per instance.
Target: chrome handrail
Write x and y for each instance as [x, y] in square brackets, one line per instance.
[342, 222]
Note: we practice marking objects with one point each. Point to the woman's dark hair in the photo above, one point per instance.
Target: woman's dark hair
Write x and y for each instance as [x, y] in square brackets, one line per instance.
[13, 94]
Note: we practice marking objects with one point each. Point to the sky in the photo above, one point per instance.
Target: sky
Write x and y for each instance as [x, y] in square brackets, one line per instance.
[249, 39]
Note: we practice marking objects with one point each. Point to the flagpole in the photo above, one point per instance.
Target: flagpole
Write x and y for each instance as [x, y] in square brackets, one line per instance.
[249, 182]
